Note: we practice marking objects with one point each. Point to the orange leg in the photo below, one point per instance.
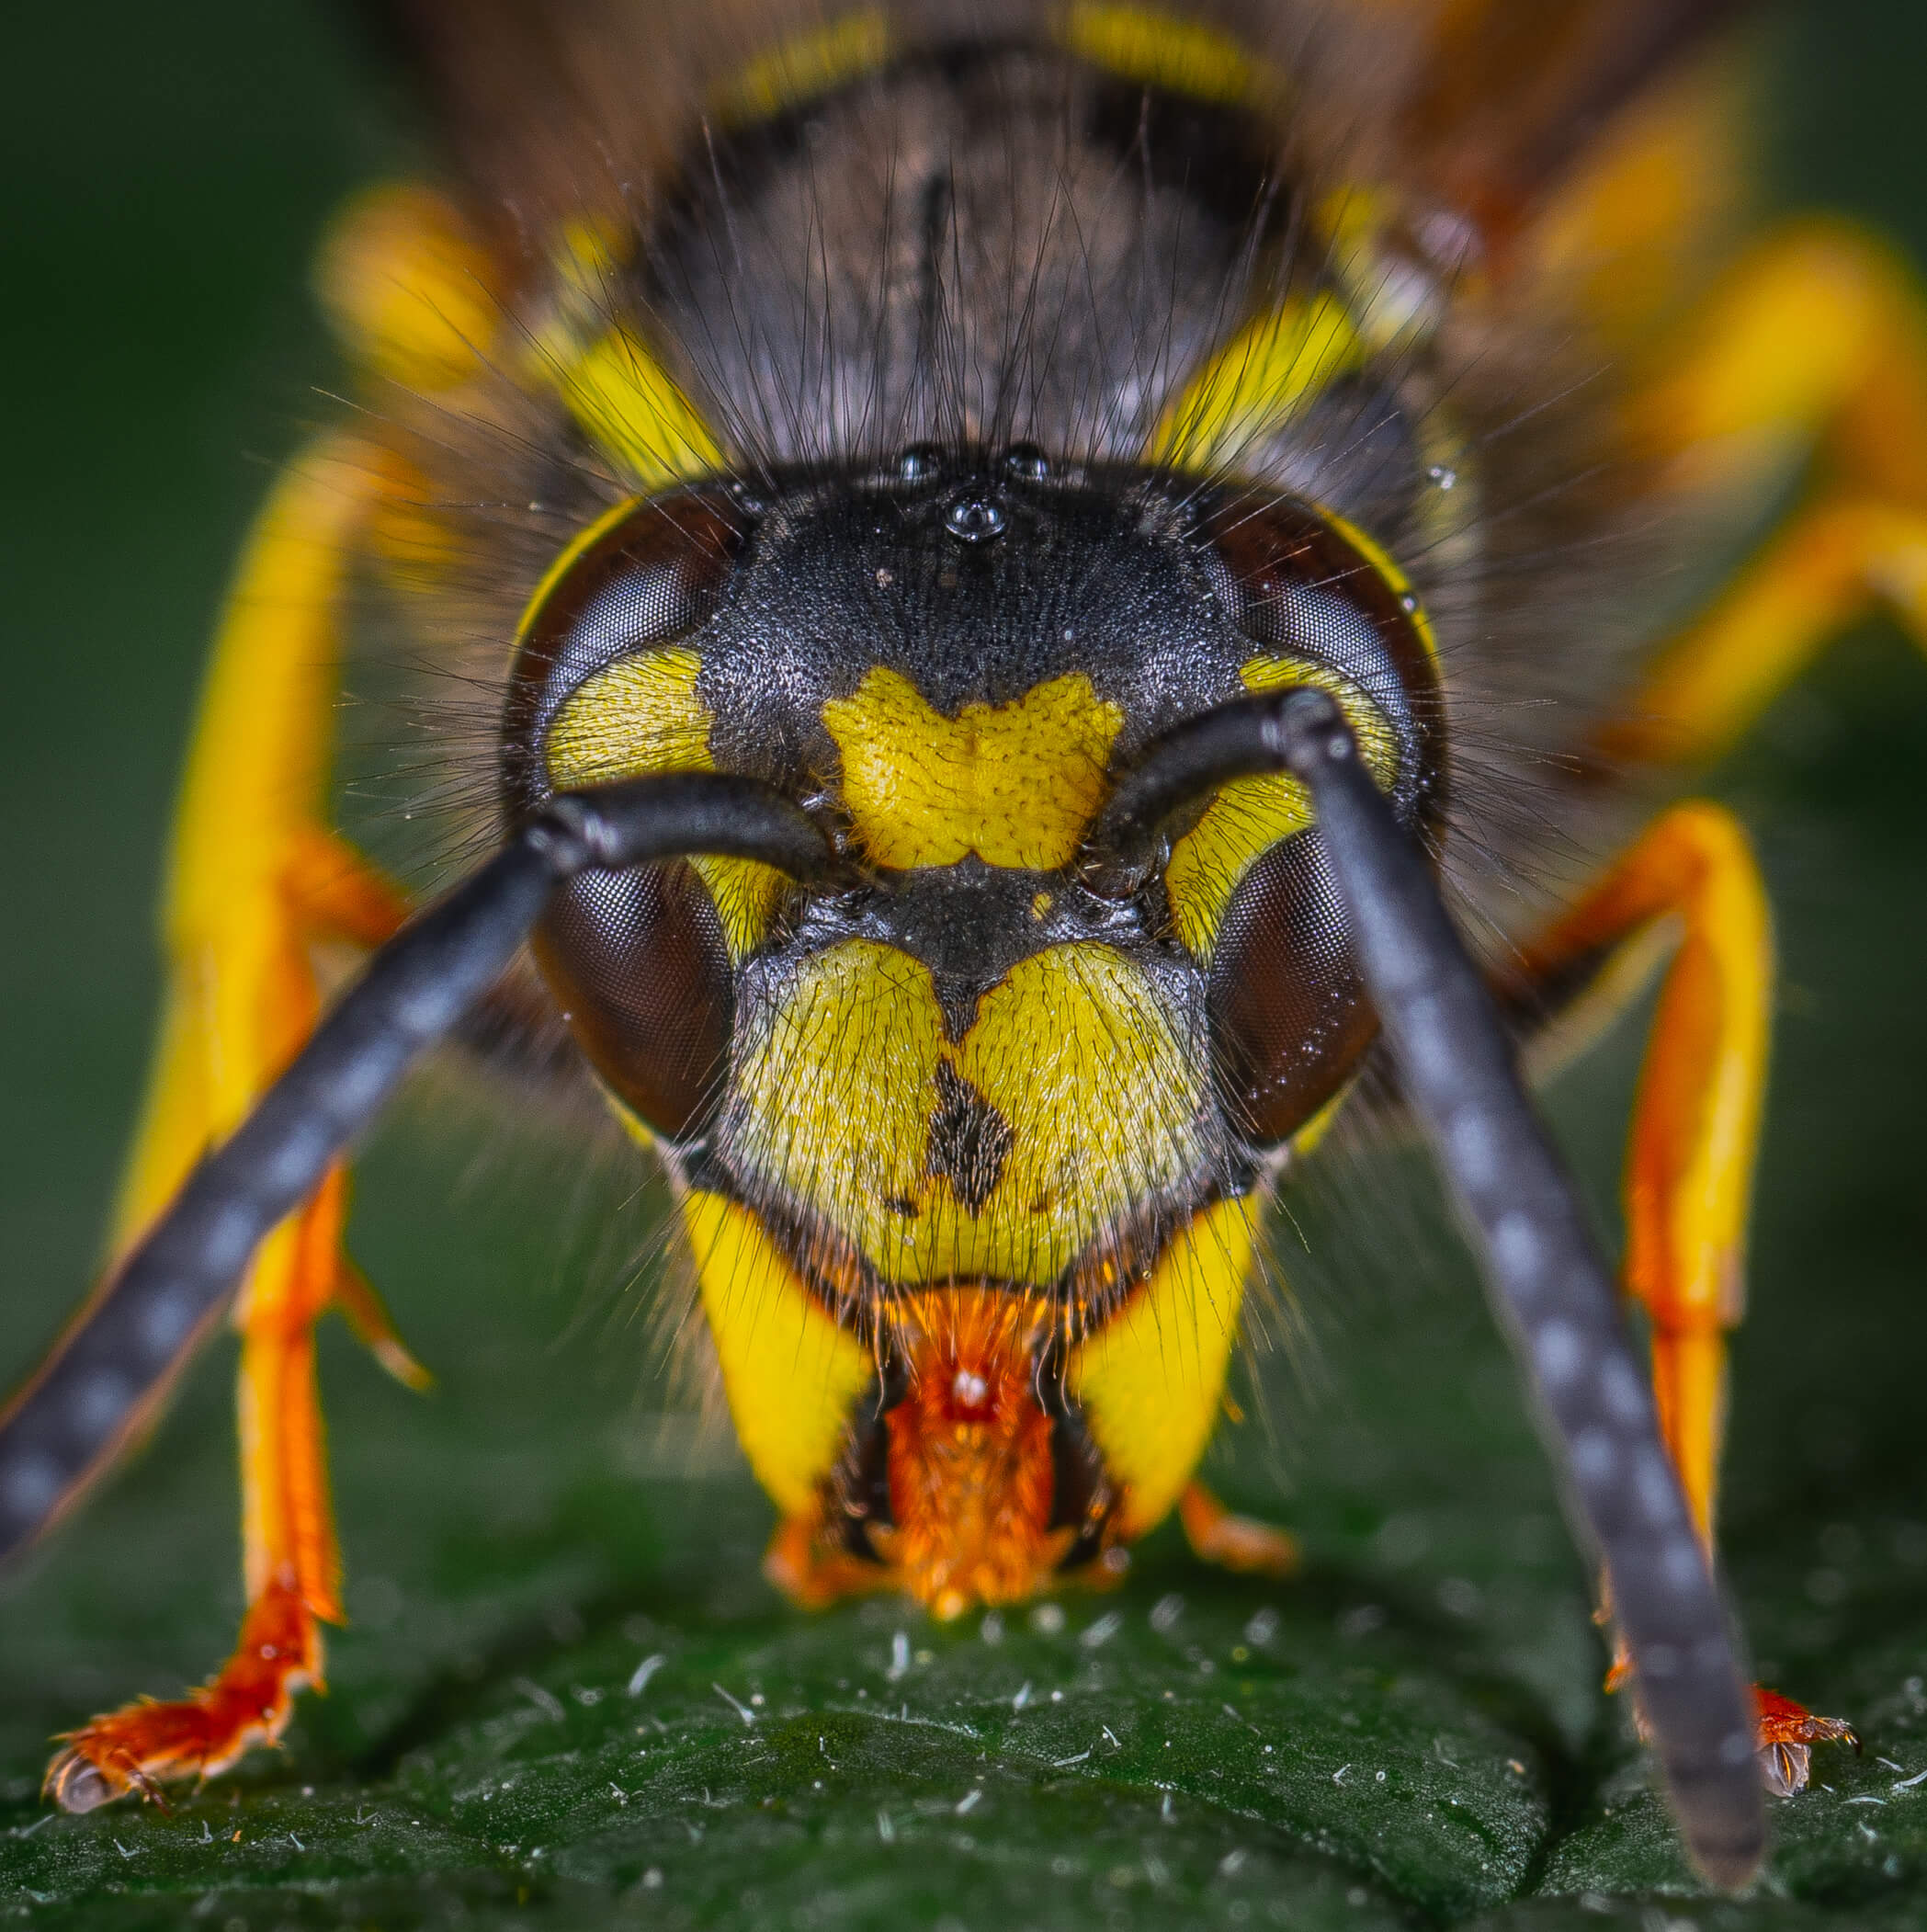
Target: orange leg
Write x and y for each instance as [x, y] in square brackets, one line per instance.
[1239, 1543]
[291, 1560]
[1694, 1135]
[292, 1568]
[254, 882]
[1814, 349]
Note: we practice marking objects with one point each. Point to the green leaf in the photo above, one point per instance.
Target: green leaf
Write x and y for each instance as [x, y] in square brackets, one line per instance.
[1410, 1734]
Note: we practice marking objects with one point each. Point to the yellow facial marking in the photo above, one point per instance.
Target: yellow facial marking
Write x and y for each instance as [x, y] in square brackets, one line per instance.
[1075, 1065]
[1248, 816]
[640, 715]
[1014, 783]
[802, 68]
[1263, 376]
[643, 715]
[1151, 1379]
[790, 1373]
[1144, 45]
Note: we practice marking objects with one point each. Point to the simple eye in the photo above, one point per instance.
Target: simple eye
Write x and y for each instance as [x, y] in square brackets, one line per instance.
[637, 960]
[1289, 1018]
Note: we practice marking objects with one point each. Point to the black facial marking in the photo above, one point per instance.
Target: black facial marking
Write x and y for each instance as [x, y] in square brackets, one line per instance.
[969, 1140]
[970, 924]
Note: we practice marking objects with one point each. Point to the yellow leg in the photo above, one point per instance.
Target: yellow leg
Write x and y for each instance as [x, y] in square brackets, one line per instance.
[255, 880]
[1695, 1139]
[1817, 343]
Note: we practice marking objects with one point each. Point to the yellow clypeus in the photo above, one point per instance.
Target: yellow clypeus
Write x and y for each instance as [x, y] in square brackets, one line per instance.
[1075, 1062]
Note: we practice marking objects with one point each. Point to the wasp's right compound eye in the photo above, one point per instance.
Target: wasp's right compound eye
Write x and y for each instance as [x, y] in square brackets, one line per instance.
[604, 688]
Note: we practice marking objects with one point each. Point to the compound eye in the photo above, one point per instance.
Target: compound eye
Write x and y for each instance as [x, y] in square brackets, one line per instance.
[643, 578]
[1310, 590]
[1289, 1019]
[637, 960]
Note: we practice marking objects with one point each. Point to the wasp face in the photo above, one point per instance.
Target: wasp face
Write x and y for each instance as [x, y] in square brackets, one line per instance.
[997, 1058]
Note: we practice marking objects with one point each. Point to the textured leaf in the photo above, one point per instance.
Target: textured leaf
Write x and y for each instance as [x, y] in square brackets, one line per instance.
[1410, 1734]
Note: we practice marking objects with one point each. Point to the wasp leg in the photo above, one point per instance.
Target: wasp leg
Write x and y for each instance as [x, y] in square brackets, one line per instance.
[254, 882]
[1241, 1543]
[812, 1571]
[293, 1566]
[1817, 345]
[1695, 1134]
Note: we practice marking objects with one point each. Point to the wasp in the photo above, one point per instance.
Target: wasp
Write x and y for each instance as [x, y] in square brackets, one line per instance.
[1069, 599]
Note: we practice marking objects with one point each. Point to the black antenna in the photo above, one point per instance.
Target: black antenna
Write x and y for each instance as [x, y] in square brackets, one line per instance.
[121, 1355]
[1554, 1296]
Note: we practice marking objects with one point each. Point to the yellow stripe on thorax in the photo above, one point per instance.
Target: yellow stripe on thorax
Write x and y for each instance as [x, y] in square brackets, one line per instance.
[612, 382]
[1270, 370]
[803, 68]
[1185, 56]
[1014, 783]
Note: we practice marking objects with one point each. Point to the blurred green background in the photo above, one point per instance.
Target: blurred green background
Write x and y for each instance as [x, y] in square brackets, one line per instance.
[521, 1541]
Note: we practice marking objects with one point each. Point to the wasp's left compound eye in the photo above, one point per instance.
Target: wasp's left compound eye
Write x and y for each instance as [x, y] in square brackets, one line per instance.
[604, 688]
[1290, 1016]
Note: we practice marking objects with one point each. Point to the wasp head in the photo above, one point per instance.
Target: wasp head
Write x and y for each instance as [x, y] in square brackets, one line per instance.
[1009, 1049]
